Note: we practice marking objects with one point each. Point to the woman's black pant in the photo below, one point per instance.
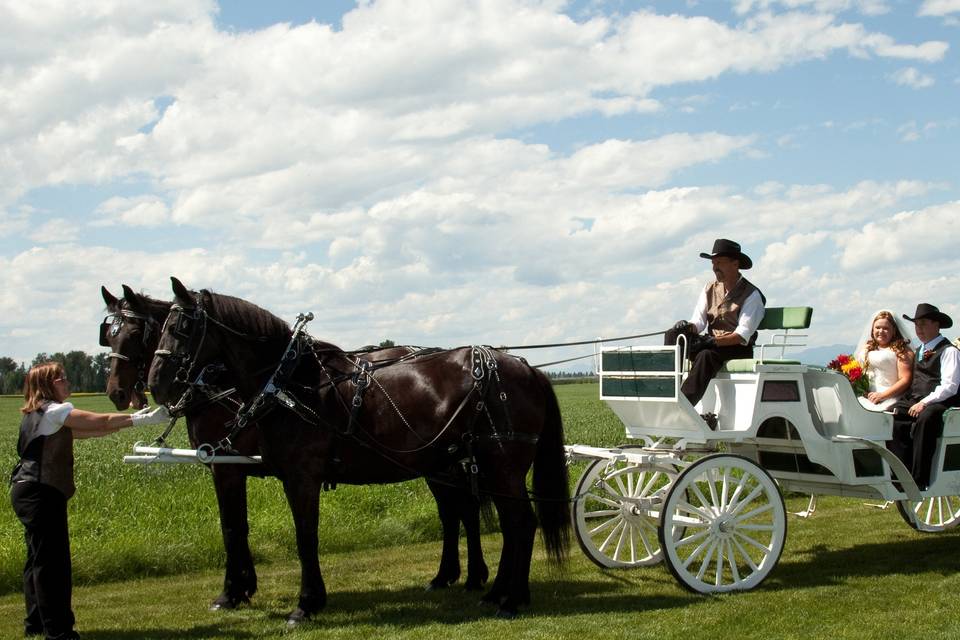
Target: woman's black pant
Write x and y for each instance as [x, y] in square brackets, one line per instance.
[47, 579]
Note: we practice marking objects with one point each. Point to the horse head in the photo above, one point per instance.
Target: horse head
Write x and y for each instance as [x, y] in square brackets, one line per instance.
[206, 329]
[130, 331]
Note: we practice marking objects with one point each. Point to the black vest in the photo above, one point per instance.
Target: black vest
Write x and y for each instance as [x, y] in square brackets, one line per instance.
[44, 459]
[926, 374]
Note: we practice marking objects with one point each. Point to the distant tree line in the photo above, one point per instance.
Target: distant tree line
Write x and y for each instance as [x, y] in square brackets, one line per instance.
[86, 373]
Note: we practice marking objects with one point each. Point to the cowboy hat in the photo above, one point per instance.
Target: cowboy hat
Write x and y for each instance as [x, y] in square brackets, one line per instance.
[730, 249]
[925, 310]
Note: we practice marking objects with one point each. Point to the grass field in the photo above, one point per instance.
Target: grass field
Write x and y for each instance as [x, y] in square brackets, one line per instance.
[148, 558]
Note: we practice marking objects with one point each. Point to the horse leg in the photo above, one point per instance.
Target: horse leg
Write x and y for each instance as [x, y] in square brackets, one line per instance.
[448, 510]
[240, 579]
[511, 587]
[303, 496]
[477, 572]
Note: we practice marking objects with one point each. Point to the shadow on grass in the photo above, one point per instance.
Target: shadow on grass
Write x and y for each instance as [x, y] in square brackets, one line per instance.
[412, 607]
[823, 566]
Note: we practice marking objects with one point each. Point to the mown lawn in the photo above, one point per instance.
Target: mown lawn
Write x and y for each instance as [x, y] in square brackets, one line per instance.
[147, 557]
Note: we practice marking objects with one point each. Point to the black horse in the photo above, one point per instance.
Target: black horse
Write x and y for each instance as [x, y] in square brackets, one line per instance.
[467, 417]
[132, 331]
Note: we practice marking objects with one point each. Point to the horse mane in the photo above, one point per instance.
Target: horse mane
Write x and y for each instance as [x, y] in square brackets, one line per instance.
[244, 317]
[155, 308]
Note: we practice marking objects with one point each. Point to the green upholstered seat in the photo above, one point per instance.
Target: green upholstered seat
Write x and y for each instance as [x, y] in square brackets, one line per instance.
[774, 319]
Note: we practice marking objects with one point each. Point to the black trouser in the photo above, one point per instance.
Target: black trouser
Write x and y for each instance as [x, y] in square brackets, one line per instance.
[706, 362]
[47, 580]
[915, 439]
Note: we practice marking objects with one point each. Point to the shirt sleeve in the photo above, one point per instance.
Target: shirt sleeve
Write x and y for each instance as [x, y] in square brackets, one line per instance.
[699, 316]
[751, 314]
[949, 377]
[54, 415]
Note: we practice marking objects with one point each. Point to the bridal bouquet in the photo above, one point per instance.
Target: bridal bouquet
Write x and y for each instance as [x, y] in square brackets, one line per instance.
[853, 370]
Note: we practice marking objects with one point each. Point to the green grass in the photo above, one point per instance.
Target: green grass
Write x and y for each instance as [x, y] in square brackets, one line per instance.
[148, 558]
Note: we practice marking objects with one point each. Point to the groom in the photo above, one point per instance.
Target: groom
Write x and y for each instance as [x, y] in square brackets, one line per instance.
[918, 415]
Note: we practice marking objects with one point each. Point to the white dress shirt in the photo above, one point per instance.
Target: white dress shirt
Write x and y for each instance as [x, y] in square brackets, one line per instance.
[751, 314]
[949, 372]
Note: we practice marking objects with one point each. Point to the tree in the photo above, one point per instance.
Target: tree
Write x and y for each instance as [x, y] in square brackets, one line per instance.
[386, 344]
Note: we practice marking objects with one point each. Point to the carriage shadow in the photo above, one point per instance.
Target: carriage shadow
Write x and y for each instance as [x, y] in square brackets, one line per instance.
[932, 553]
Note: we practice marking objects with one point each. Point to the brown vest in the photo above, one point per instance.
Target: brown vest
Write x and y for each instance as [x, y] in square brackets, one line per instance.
[45, 459]
[723, 310]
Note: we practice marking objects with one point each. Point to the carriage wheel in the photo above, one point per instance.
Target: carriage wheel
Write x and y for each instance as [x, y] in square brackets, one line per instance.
[733, 521]
[931, 515]
[617, 512]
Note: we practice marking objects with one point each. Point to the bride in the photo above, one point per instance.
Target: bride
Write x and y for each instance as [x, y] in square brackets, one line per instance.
[887, 359]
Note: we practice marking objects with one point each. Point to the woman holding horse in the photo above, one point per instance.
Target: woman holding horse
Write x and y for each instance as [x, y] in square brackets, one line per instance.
[41, 484]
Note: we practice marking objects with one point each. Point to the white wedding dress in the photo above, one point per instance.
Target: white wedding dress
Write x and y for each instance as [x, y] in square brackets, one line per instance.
[882, 373]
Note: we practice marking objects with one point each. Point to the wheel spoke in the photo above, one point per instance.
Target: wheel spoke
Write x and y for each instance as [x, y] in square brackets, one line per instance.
[712, 481]
[613, 533]
[708, 560]
[694, 511]
[606, 524]
[706, 504]
[756, 527]
[649, 485]
[755, 512]
[624, 533]
[606, 513]
[700, 535]
[734, 571]
[724, 496]
[735, 496]
[651, 550]
[750, 498]
[743, 552]
[607, 501]
[753, 542]
[697, 551]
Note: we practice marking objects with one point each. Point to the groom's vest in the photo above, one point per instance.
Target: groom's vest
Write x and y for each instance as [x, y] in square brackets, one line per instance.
[926, 374]
[723, 311]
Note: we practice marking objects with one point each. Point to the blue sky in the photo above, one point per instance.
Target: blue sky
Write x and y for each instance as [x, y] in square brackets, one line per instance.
[504, 172]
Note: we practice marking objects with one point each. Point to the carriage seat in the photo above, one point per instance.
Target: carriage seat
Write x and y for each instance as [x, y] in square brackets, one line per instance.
[774, 319]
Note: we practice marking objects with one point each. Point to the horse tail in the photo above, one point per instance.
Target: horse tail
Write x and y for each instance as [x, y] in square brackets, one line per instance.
[551, 488]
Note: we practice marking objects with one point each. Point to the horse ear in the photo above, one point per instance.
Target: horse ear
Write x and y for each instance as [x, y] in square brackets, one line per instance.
[109, 298]
[133, 300]
[180, 292]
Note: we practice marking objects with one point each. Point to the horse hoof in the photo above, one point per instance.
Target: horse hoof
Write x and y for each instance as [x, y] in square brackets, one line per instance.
[506, 614]
[225, 602]
[297, 617]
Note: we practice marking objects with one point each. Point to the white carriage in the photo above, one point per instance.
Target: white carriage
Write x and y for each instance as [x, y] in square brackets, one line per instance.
[708, 501]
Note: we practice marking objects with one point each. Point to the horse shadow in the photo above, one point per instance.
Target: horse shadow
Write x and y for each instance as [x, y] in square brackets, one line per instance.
[411, 607]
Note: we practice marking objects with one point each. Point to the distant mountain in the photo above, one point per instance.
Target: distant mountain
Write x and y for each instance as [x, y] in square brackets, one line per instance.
[817, 355]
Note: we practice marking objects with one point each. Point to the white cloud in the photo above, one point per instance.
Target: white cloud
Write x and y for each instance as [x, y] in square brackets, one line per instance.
[906, 237]
[911, 77]
[867, 7]
[143, 211]
[939, 7]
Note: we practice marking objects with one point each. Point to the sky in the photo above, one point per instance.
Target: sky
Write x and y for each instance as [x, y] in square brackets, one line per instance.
[504, 172]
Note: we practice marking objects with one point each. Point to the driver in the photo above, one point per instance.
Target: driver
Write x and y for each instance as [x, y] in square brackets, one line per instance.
[729, 310]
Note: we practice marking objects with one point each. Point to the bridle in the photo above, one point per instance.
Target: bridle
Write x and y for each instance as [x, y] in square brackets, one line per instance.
[190, 325]
[110, 327]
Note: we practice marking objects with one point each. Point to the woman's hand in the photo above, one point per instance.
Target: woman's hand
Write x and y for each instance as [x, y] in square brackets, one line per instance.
[158, 415]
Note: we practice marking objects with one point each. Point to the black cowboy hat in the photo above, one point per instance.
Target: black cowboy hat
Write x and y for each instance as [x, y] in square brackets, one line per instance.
[925, 310]
[730, 249]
